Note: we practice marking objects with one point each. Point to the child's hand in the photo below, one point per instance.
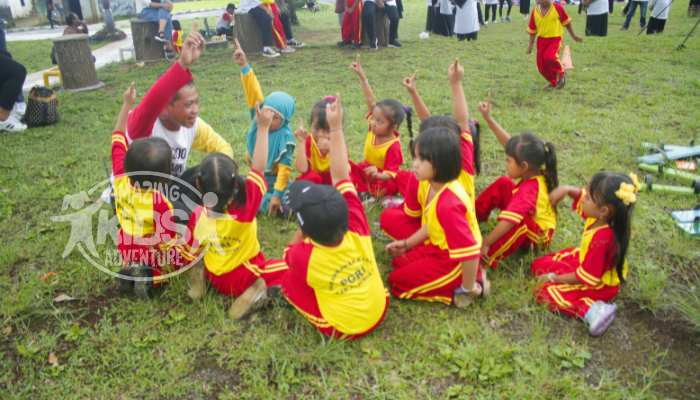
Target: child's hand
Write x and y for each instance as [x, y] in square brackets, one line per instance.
[577, 38]
[371, 171]
[239, 56]
[334, 114]
[129, 96]
[409, 83]
[192, 49]
[275, 206]
[397, 248]
[263, 116]
[357, 67]
[485, 252]
[485, 108]
[455, 72]
[300, 134]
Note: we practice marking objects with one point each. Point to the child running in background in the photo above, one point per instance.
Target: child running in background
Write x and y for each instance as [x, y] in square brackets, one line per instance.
[177, 36]
[401, 222]
[440, 261]
[146, 230]
[226, 232]
[351, 24]
[333, 279]
[281, 139]
[580, 281]
[526, 217]
[547, 22]
[312, 161]
[382, 151]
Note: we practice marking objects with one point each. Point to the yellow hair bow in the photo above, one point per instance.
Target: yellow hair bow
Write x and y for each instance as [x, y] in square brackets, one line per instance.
[626, 193]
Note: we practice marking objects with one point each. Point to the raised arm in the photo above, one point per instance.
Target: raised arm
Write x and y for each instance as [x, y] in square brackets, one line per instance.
[556, 195]
[142, 118]
[128, 99]
[263, 118]
[501, 134]
[364, 84]
[409, 83]
[301, 163]
[251, 86]
[460, 111]
[340, 166]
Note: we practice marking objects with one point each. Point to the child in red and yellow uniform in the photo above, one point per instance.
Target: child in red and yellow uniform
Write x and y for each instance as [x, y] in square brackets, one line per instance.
[177, 37]
[579, 281]
[527, 218]
[333, 279]
[440, 261]
[351, 29]
[382, 150]
[401, 222]
[547, 22]
[146, 230]
[227, 233]
[312, 160]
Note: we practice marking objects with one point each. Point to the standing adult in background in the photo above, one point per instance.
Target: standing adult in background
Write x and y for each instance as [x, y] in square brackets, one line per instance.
[443, 18]
[659, 15]
[466, 20]
[596, 17]
[642, 4]
[49, 12]
[369, 9]
[525, 8]
[339, 11]
[392, 12]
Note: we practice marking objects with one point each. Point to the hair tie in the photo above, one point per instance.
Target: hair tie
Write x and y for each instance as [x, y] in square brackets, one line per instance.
[407, 109]
[626, 193]
[330, 99]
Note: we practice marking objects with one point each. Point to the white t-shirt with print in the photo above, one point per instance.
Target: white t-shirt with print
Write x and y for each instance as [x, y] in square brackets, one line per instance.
[598, 7]
[180, 142]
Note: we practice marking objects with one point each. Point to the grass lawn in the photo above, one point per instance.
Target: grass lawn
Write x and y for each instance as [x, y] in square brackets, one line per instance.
[624, 89]
[35, 55]
[200, 5]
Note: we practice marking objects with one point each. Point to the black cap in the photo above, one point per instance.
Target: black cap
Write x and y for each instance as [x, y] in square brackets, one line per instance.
[320, 210]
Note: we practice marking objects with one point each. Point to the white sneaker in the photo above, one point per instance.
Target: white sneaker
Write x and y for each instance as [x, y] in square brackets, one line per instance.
[295, 43]
[12, 124]
[19, 109]
[286, 50]
[599, 317]
[270, 52]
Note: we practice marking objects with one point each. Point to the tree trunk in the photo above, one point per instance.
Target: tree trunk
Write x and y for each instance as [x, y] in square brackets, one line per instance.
[248, 33]
[146, 47]
[75, 62]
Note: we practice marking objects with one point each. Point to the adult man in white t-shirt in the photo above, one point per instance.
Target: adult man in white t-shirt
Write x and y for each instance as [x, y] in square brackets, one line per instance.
[170, 110]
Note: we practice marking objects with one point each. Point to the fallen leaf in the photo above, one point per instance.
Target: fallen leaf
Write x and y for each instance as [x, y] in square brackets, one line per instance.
[63, 297]
[47, 275]
[53, 360]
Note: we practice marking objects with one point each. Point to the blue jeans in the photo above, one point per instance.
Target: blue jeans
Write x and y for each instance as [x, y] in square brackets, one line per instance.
[157, 14]
[642, 13]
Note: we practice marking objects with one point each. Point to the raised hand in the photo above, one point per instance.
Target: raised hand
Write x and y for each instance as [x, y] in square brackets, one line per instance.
[129, 96]
[263, 116]
[409, 82]
[239, 56]
[300, 134]
[485, 108]
[455, 72]
[192, 49]
[334, 114]
[357, 67]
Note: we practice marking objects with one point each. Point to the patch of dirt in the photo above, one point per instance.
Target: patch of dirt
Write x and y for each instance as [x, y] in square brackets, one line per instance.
[214, 377]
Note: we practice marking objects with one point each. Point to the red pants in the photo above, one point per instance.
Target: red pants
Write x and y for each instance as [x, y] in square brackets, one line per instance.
[397, 225]
[527, 234]
[320, 178]
[375, 187]
[573, 300]
[426, 273]
[235, 282]
[548, 59]
[277, 28]
[351, 31]
[300, 295]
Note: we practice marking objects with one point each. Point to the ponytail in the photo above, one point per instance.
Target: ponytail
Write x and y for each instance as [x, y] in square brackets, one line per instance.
[622, 228]
[475, 129]
[238, 192]
[550, 167]
[218, 174]
[409, 124]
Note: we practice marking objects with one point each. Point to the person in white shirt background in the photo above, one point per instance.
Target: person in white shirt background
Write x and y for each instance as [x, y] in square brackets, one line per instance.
[659, 15]
[596, 17]
[466, 20]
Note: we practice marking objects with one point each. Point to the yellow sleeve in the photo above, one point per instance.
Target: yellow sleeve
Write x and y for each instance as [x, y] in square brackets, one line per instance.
[208, 141]
[283, 172]
[251, 87]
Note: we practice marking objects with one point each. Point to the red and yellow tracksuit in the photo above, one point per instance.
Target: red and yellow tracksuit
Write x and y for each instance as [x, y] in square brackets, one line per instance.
[594, 264]
[338, 288]
[387, 157]
[351, 30]
[147, 231]
[319, 164]
[401, 222]
[277, 28]
[549, 29]
[431, 271]
[229, 241]
[525, 204]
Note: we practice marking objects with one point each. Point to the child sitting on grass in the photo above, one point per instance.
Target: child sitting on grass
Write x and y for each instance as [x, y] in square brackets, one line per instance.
[312, 160]
[333, 279]
[580, 281]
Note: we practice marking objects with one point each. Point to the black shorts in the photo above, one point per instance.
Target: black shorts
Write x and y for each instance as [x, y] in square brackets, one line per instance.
[597, 25]
[655, 25]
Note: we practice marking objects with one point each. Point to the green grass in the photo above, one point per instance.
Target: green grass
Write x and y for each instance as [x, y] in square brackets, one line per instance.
[625, 89]
[35, 55]
[200, 5]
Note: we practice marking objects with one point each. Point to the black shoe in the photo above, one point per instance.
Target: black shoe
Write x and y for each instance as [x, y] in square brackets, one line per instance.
[356, 46]
[343, 44]
[395, 44]
[143, 288]
[125, 285]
